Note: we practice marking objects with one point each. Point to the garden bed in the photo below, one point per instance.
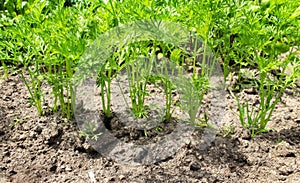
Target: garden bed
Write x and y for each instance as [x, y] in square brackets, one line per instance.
[48, 149]
[209, 91]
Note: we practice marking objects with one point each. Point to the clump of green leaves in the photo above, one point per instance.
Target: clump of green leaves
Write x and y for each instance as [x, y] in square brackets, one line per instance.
[267, 39]
[270, 89]
[138, 73]
[89, 132]
[47, 45]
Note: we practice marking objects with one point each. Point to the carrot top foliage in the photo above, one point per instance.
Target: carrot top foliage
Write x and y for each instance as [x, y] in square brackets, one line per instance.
[45, 40]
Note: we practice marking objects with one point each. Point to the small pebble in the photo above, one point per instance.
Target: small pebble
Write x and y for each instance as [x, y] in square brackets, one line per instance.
[194, 166]
[68, 169]
[22, 137]
[122, 177]
[26, 127]
[28, 105]
[111, 179]
[287, 117]
[32, 134]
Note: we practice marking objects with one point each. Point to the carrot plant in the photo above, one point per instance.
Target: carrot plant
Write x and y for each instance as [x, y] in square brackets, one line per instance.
[270, 90]
[48, 45]
[267, 39]
[138, 73]
[106, 74]
[162, 78]
[65, 55]
[28, 52]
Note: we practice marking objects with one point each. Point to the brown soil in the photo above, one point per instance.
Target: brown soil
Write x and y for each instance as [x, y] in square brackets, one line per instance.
[48, 149]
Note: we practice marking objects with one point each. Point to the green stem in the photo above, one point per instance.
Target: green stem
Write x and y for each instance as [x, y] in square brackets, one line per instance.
[168, 91]
[102, 85]
[5, 69]
[108, 94]
[70, 93]
[61, 92]
[105, 93]
[37, 92]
